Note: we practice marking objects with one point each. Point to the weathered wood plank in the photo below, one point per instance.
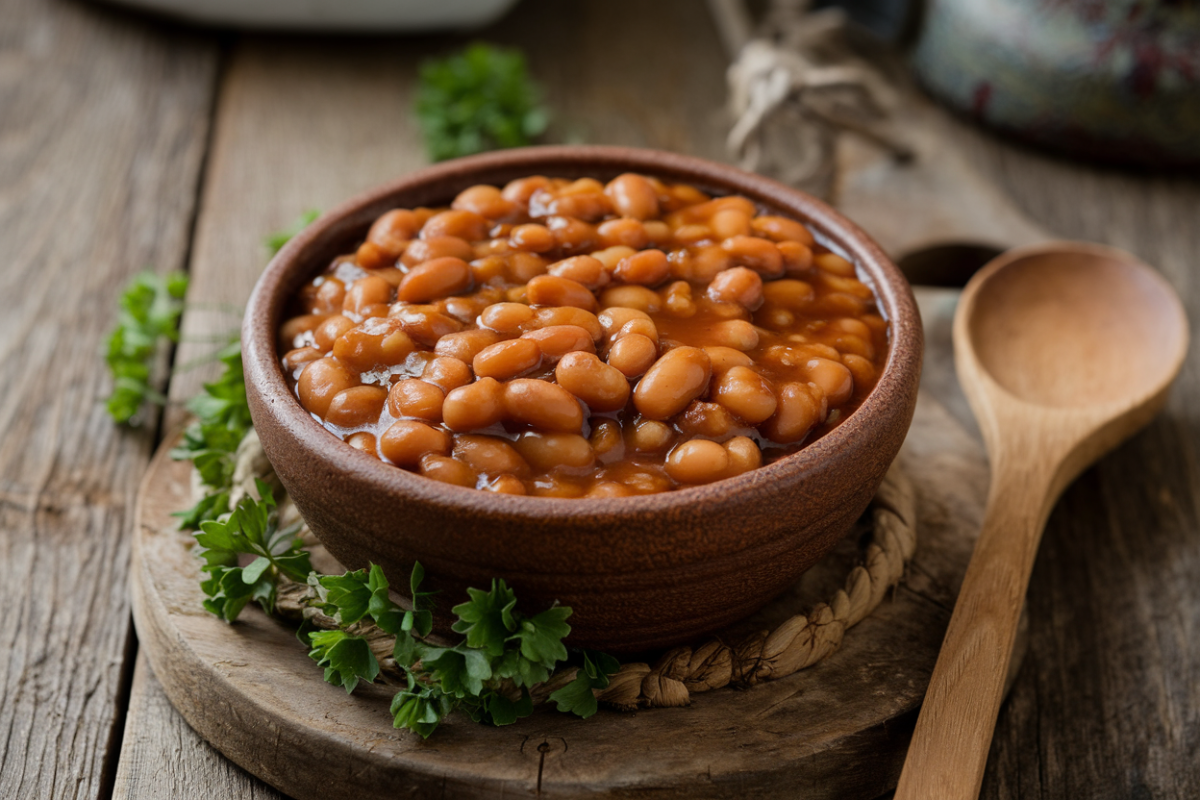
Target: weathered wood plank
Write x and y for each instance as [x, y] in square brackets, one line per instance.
[102, 135]
[180, 764]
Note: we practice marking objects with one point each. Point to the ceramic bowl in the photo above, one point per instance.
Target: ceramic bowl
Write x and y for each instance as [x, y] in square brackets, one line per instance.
[639, 572]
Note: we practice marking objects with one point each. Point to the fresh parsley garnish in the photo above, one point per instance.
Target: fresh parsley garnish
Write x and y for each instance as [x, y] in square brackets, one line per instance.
[346, 658]
[479, 99]
[150, 306]
[250, 530]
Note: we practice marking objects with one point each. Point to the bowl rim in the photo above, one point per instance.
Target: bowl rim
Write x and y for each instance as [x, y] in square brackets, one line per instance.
[894, 295]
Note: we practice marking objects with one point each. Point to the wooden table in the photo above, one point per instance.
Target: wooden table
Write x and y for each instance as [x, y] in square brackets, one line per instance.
[127, 143]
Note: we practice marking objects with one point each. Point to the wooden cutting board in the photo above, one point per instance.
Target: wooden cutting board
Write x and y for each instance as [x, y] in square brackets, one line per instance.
[838, 729]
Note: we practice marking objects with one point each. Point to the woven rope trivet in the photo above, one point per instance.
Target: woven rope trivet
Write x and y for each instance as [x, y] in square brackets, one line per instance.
[797, 643]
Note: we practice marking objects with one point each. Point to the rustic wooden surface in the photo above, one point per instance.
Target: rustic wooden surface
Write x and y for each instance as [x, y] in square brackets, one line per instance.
[104, 134]
[839, 728]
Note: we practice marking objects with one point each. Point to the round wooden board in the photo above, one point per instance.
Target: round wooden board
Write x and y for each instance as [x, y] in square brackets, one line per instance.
[836, 730]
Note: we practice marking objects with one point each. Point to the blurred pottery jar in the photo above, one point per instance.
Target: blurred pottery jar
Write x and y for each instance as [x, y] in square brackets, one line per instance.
[1115, 80]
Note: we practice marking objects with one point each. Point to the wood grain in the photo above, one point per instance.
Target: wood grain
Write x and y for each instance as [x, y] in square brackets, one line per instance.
[102, 134]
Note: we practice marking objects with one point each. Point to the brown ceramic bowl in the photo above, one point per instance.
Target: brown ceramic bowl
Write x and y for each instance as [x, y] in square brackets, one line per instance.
[639, 572]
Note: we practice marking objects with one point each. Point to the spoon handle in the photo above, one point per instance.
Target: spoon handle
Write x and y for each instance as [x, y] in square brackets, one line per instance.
[954, 730]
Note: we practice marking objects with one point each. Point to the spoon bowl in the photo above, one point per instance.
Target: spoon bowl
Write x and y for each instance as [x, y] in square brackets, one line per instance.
[1064, 350]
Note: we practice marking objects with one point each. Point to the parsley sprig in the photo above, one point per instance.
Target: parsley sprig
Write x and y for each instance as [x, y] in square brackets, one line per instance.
[479, 99]
[150, 306]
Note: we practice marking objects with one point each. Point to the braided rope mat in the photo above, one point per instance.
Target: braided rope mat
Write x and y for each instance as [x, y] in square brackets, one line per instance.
[799, 642]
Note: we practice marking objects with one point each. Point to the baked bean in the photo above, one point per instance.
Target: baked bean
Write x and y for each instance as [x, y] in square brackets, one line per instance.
[543, 405]
[433, 279]
[447, 470]
[707, 262]
[406, 440]
[520, 190]
[356, 406]
[509, 359]
[788, 293]
[677, 300]
[422, 250]
[735, 333]
[729, 222]
[633, 196]
[675, 380]
[301, 356]
[609, 489]
[532, 238]
[651, 436]
[611, 256]
[632, 354]
[638, 327]
[556, 341]
[489, 456]
[507, 484]
[551, 290]
[524, 267]
[548, 451]
[493, 304]
[465, 345]
[797, 259]
[447, 373]
[364, 441]
[744, 454]
[486, 201]
[747, 394]
[463, 224]
[639, 297]
[725, 358]
[375, 343]
[706, 419]
[330, 295]
[758, 254]
[738, 285]
[606, 437]
[602, 387]
[424, 324]
[292, 333]
[506, 317]
[862, 370]
[698, 461]
[474, 406]
[399, 224]
[623, 231]
[834, 264]
[330, 330]
[573, 235]
[832, 376]
[782, 229]
[801, 407]
[366, 291]
[584, 270]
[568, 315]
[416, 398]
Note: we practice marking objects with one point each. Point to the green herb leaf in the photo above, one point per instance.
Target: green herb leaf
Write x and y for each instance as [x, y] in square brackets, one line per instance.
[578, 697]
[487, 619]
[421, 708]
[460, 671]
[479, 99]
[346, 658]
[541, 636]
[149, 313]
[346, 598]
[387, 615]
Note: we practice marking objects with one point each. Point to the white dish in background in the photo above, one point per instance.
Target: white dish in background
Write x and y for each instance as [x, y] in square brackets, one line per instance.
[366, 16]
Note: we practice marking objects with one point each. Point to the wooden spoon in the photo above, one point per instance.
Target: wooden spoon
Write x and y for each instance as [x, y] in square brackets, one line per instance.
[1064, 351]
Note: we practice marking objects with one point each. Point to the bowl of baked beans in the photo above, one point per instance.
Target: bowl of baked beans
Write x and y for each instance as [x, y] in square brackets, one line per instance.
[651, 387]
